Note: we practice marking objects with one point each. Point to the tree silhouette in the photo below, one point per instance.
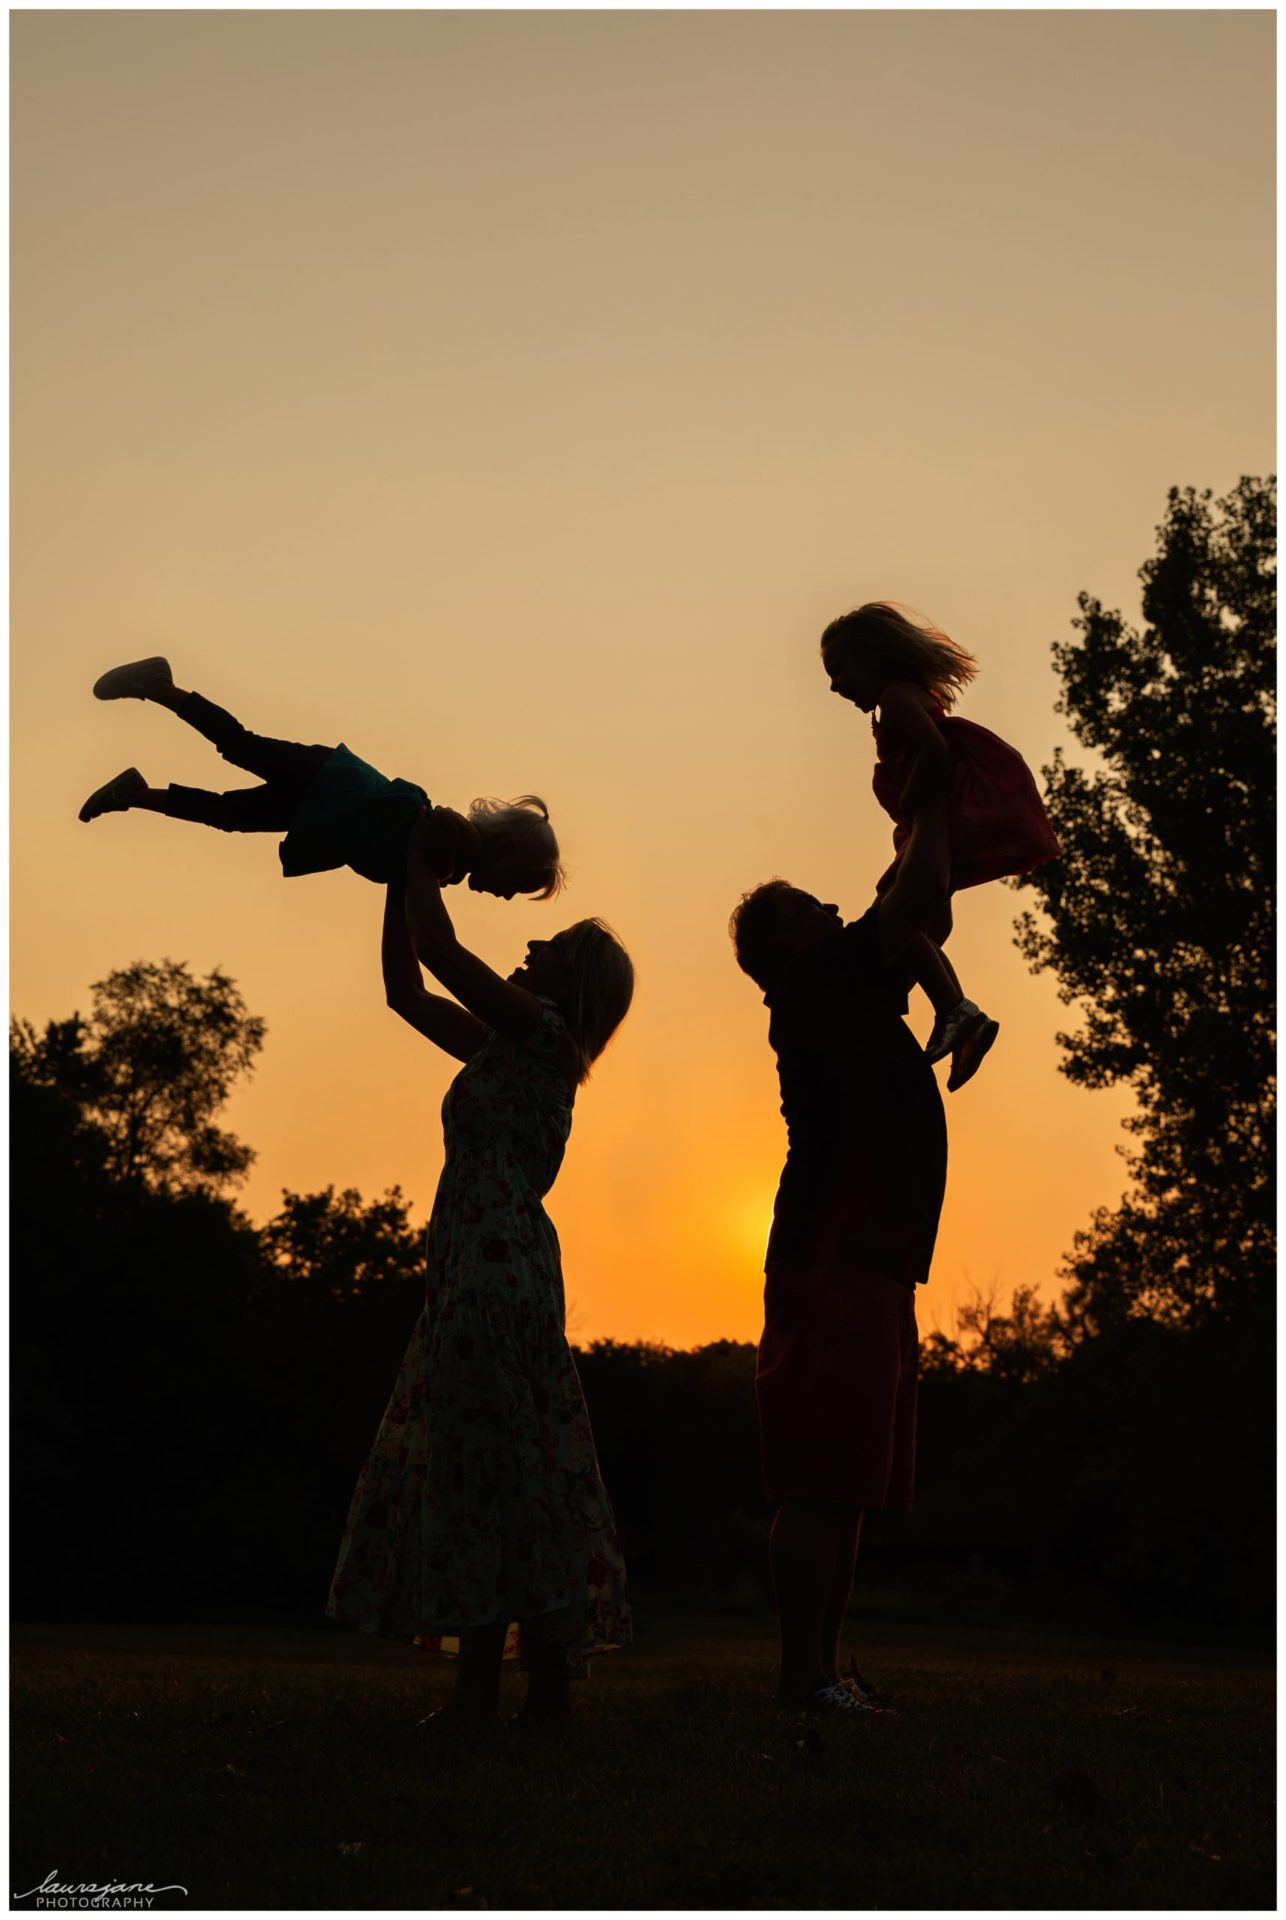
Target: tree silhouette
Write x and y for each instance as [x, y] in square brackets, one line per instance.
[149, 1070]
[1158, 919]
[338, 1249]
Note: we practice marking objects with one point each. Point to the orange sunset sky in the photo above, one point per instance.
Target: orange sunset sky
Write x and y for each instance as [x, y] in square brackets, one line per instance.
[514, 397]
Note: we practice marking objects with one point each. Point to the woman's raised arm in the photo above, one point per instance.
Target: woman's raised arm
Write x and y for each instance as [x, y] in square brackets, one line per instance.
[496, 1002]
[449, 1026]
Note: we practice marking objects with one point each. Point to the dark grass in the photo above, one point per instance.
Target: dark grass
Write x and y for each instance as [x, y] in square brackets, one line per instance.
[285, 1768]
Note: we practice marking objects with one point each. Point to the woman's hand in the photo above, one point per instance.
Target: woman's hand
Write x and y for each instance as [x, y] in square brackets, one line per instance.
[439, 837]
[449, 1026]
[499, 1003]
[426, 914]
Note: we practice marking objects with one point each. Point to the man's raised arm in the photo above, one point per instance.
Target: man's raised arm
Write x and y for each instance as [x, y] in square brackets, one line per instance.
[921, 888]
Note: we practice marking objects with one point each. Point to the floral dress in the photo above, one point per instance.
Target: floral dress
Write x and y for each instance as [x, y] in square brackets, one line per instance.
[481, 1498]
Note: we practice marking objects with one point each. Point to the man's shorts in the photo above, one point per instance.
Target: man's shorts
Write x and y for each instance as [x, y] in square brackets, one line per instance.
[836, 1380]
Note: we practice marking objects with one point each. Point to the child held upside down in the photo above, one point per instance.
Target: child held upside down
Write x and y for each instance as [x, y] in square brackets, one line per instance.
[333, 808]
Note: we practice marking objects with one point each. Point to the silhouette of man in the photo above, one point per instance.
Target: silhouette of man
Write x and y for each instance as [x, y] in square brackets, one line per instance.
[853, 1231]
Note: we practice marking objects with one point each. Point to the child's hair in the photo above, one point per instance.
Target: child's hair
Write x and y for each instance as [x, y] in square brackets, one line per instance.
[523, 825]
[908, 649]
[602, 989]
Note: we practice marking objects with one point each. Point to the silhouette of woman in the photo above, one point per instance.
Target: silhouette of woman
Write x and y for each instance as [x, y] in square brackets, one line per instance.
[481, 1502]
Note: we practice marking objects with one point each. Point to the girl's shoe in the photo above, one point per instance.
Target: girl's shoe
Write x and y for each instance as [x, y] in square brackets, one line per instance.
[138, 680]
[971, 1052]
[949, 1029]
[117, 796]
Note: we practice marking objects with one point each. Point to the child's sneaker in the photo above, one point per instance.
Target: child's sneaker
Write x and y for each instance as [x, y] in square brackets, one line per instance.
[971, 1051]
[137, 680]
[949, 1030]
[117, 796]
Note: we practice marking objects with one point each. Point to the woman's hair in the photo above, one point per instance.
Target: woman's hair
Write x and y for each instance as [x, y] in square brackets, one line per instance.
[754, 928]
[602, 987]
[908, 650]
[523, 826]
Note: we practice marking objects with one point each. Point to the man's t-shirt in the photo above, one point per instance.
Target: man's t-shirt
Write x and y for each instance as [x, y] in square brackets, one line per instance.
[352, 816]
[866, 1168]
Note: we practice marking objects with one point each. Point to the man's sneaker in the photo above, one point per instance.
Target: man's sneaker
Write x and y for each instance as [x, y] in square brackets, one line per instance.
[118, 795]
[840, 1698]
[865, 1690]
[971, 1053]
[949, 1029]
[137, 680]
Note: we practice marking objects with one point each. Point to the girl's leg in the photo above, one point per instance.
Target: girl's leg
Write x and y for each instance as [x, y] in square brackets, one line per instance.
[931, 970]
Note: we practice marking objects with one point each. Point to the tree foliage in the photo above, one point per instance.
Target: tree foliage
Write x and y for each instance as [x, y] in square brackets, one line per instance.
[339, 1248]
[149, 1070]
[1016, 1348]
[1158, 918]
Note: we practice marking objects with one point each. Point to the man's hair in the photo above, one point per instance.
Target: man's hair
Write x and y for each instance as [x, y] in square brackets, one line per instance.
[754, 928]
[523, 825]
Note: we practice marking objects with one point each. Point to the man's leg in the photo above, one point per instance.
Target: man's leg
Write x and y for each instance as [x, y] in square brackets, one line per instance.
[809, 1539]
[841, 1592]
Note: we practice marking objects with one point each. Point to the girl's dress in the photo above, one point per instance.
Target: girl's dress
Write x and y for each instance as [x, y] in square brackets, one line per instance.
[999, 825]
[481, 1499]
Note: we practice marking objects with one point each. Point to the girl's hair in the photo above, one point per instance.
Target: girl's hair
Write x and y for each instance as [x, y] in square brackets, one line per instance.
[523, 825]
[601, 990]
[907, 649]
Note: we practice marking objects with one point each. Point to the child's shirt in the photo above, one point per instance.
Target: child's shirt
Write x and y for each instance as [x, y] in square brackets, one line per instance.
[354, 816]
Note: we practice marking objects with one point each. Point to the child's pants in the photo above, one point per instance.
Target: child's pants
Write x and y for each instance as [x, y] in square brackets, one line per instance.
[286, 770]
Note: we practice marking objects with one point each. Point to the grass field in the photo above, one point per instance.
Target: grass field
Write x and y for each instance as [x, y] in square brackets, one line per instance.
[281, 1768]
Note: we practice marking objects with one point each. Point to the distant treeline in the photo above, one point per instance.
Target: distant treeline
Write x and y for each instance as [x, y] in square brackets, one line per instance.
[192, 1399]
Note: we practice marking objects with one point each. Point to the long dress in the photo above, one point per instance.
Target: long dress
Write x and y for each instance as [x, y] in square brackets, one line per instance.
[999, 826]
[481, 1499]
